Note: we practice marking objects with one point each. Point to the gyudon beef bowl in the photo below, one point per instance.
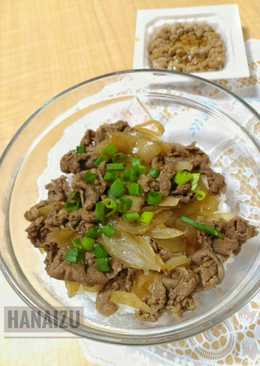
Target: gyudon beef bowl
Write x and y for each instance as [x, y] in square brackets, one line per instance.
[136, 197]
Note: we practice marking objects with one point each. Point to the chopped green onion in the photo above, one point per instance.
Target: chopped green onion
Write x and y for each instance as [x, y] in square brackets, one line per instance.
[124, 204]
[211, 230]
[92, 232]
[200, 195]
[76, 243]
[134, 189]
[110, 150]
[154, 198]
[108, 230]
[90, 177]
[117, 189]
[100, 160]
[138, 166]
[103, 264]
[110, 203]
[195, 181]
[154, 173]
[71, 206]
[110, 176]
[87, 243]
[182, 177]
[100, 251]
[115, 166]
[131, 216]
[131, 175]
[80, 149]
[146, 217]
[100, 211]
[72, 255]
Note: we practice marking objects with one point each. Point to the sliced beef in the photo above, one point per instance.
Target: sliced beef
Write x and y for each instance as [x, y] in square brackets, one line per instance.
[122, 281]
[184, 192]
[88, 139]
[209, 267]
[216, 181]
[148, 183]
[240, 230]
[156, 301]
[226, 246]
[37, 231]
[34, 212]
[56, 267]
[107, 129]
[58, 189]
[90, 193]
[74, 163]
[165, 179]
[81, 220]
[185, 282]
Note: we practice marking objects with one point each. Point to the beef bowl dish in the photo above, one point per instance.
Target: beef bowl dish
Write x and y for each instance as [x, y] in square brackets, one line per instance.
[135, 197]
[137, 219]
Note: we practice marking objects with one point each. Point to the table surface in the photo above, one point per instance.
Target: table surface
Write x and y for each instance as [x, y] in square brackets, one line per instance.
[47, 46]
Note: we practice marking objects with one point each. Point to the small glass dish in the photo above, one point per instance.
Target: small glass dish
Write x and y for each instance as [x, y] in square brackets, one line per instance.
[191, 109]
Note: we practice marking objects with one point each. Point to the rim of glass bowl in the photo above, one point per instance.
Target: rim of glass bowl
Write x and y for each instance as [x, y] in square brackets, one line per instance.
[156, 336]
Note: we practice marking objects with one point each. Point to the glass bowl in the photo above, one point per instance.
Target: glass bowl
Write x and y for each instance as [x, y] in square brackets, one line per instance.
[191, 109]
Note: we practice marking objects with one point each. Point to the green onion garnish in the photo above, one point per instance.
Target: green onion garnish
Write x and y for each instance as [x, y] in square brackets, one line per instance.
[200, 195]
[138, 166]
[211, 230]
[154, 173]
[183, 177]
[92, 232]
[90, 177]
[108, 230]
[80, 149]
[154, 198]
[100, 211]
[72, 255]
[103, 264]
[124, 204]
[131, 175]
[72, 206]
[195, 181]
[117, 189]
[87, 243]
[134, 189]
[115, 166]
[131, 216]
[100, 251]
[76, 243]
[110, 203]
[146, 217]
[100, 160]
[110, 150]
[110, 176]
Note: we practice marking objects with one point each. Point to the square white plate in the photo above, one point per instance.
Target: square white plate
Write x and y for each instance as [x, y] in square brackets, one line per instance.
[225, 20]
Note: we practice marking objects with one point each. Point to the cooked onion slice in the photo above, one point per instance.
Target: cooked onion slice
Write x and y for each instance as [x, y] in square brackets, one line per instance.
[72, 288]
[170, 201]
[177, 261]
[61, 236]
[183, 165]
[151, 129]
[164, 232]
[134, 251]
[129, 299]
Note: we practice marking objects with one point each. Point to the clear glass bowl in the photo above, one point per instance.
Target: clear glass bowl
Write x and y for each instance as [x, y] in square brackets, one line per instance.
[191, 109]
